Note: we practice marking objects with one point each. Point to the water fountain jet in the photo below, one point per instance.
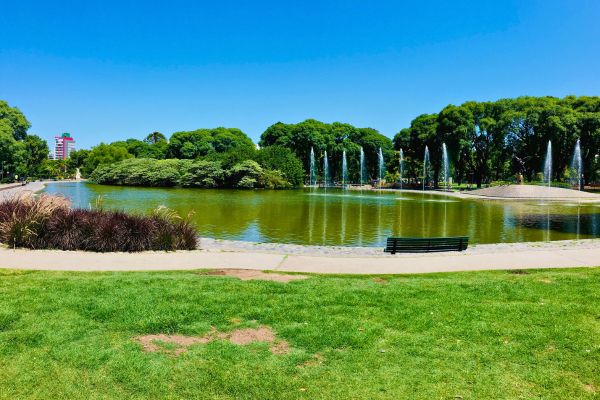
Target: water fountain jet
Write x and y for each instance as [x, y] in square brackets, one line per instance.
[344, 170]
[577, 167]
[362, 166]
[425, 166]
[445, 167]
[401, 167]
[548, 164]
[381, 166]
[312, 179]
[325, 170]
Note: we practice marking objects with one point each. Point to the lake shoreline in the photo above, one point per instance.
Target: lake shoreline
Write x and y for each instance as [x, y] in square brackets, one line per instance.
[31, 187]
[240, 246]
[560, 254]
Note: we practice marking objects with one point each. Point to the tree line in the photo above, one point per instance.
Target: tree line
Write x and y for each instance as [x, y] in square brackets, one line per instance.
[491, 141]
[20, 154]
[486, 141]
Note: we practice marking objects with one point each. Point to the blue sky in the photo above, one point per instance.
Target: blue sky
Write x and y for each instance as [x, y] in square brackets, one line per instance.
[109, 70]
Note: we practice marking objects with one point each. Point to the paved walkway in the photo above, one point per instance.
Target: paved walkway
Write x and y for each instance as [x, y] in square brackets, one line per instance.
[526, 257]
[8, 191]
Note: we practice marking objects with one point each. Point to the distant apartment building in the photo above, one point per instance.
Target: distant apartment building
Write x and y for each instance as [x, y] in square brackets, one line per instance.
[63, 146]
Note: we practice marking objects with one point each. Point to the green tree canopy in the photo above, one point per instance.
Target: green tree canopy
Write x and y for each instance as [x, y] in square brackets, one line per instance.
[202, 142]
[282, 159]
[496, 140]
[155, 137]
[333, 138]
[104, 154]
[35, 151]
[13, 121]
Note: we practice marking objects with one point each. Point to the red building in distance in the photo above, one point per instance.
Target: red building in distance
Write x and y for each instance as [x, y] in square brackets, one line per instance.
[63, 146]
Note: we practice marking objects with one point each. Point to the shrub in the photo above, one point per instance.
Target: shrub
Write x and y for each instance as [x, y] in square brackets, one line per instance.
[245, 175]
[274, 179]
[233, 156]
[204, 174]
[23, 219]
[48, 222]
[141, 172]
[282, 159]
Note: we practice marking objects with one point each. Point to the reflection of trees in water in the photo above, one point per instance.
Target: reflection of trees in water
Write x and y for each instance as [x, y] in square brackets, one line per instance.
[343, 222]
[570, 225]
[347, 218]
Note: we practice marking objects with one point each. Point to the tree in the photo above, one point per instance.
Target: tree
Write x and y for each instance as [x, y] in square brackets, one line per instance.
[589, 128]
[333, 139]
[422, 133]
[13, 120]
[104, 154]
[78, 158]
[35, 152]
[11, 154]
[202, 142]
[154, 138]
[284, 160]
[233, 156]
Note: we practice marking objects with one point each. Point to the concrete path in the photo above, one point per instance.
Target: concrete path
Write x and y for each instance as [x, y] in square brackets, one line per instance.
[10, 190]
[529, 257]
[6, 186]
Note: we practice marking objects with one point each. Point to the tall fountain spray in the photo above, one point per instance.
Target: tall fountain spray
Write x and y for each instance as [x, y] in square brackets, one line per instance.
[344, 170]
[312, 179]
[445, 167]
[362, 166]
[425, 166]
[548, 164]
[577, 167]
[381, 166]
[401, 167]
[325, 170]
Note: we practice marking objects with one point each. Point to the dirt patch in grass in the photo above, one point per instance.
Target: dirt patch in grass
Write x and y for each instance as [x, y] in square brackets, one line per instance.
[590, 388]
[177, 344]
[316, 360]
[518, 272]
[379, 280]
[247, 275]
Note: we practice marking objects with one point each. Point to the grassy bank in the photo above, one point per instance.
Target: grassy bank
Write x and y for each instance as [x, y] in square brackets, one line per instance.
[473, 335]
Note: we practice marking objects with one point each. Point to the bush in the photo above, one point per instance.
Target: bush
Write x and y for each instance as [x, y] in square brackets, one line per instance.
[282, 159]
[203, 174]
[233, 156]
[274, 179]
[48, 222]
[141, 172]
[247, 174]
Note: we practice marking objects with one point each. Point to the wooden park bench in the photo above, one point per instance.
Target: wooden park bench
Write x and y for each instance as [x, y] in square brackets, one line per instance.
[425, 245]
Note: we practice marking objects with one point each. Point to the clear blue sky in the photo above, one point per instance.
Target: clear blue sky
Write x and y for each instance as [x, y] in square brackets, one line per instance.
[109, 70]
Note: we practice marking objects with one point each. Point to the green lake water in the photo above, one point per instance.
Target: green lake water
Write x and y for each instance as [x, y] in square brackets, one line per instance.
[336, 217]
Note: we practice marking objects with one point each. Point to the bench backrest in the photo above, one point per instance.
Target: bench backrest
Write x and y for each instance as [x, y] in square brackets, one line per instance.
[416, 245]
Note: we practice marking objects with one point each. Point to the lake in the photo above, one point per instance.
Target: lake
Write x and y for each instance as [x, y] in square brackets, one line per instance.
[348, 218]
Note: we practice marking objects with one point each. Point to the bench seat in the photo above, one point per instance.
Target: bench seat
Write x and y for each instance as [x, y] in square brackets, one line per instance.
[425, 245]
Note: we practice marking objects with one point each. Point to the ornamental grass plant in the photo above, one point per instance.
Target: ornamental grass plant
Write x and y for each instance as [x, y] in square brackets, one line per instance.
[48, 222]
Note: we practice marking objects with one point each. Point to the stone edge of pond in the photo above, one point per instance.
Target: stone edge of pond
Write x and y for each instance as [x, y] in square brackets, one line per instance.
[225, 245]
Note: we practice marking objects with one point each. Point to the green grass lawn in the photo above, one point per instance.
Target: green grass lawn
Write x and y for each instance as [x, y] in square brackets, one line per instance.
[482, 335]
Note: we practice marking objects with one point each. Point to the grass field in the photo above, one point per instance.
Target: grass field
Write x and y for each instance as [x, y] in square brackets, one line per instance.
[483, 335]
